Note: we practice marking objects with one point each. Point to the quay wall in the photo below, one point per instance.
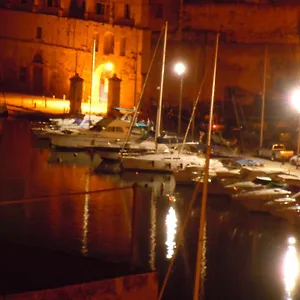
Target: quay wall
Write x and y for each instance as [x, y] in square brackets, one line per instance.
[142, 286]
[45, 104]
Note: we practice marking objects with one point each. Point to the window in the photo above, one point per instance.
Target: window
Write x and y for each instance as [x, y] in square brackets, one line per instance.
[23, 75]
[39, 32]
[127, 11]
[159, 13]
[122, 46]
[109, 44]
[100, 9]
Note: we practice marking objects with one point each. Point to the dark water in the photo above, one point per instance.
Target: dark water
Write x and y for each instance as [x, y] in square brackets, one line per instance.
[246, 256]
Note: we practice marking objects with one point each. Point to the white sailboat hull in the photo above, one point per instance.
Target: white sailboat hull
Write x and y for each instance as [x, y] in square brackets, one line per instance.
[167, 163]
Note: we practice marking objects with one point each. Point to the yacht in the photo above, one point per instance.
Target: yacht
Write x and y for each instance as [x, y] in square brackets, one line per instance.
[115, 131]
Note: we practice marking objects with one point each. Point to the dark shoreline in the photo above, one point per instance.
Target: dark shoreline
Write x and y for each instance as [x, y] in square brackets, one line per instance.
[28, 268]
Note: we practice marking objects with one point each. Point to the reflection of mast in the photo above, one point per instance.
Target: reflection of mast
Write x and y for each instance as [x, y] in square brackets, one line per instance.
[152, 230]
[205, 184]
[92, 77]
[85, 226]
[203, 262]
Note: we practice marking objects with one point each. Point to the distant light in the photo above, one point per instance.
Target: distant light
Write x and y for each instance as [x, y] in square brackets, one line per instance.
[179, 68]
[109, 66]
[296, 100]
[291, 240]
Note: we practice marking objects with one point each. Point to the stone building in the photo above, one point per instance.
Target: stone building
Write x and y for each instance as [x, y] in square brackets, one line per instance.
[46, 42]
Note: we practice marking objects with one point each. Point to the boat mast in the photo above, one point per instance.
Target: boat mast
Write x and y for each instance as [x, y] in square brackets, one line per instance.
[192, 118]
[159, 108]
[92, 77]
[262, 120]
[205, 183]
[133, 121]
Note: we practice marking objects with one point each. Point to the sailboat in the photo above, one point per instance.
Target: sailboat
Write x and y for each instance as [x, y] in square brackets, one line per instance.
[168, 161]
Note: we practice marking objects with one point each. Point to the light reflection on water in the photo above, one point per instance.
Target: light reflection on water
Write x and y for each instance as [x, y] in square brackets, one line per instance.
[241, 252]
[290, 268]
[171, 229]
[84, 248]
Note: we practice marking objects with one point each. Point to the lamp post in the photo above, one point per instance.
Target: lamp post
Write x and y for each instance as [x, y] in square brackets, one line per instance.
[296, 103]
[180, 70]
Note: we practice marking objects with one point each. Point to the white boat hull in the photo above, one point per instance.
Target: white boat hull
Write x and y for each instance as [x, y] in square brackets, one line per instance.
[166, 163]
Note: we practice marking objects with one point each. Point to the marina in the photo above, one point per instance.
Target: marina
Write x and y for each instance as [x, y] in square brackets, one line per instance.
[67, 209]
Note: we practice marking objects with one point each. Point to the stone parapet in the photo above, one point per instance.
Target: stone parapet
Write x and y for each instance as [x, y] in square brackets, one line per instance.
[134, 287]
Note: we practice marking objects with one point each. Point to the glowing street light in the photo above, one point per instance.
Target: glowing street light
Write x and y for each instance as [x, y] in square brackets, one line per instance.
[109, 66]
[180, 68]
[296, 103]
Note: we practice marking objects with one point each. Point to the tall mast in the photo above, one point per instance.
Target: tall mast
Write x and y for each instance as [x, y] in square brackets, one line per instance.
[92, 77]
[205, 183]
[262, 119]
[159, 108]
[142, 93]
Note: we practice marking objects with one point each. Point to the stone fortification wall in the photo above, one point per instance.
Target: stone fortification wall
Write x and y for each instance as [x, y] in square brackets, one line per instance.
[246, 30]
[246, 23]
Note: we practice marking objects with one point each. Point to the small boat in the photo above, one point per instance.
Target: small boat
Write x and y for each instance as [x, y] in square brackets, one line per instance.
[268, 193]
[291, 213]
[275, 206]
[192, 174]
[258, 183]
[255, 200]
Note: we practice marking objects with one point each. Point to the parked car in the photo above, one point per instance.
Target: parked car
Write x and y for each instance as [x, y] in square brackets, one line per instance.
[276, 152]
[295, 160]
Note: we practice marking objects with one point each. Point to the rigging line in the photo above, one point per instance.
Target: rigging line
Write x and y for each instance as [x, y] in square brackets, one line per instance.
[141, 95]
[38, 199]
[194, 110]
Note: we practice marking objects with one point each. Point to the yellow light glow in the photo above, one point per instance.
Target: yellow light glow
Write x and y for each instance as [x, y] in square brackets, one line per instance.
[179, 68]
[291, 240]
[109, 66]
[171, 224]
[290, 268]
[296, 100]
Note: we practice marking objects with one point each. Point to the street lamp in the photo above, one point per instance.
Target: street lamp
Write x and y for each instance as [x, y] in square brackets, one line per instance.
[296, 103]
[180, 70]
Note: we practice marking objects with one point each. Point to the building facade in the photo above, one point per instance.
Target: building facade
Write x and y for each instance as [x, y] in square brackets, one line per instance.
[46, 42]
[41, 49]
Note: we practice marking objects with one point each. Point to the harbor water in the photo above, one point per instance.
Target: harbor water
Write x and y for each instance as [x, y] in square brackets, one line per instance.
[66, 207]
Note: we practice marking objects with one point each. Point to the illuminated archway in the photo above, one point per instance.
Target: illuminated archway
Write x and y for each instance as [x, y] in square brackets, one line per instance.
[100, 83]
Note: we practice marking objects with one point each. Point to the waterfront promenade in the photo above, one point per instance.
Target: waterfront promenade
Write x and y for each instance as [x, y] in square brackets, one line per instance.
[47, 105]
